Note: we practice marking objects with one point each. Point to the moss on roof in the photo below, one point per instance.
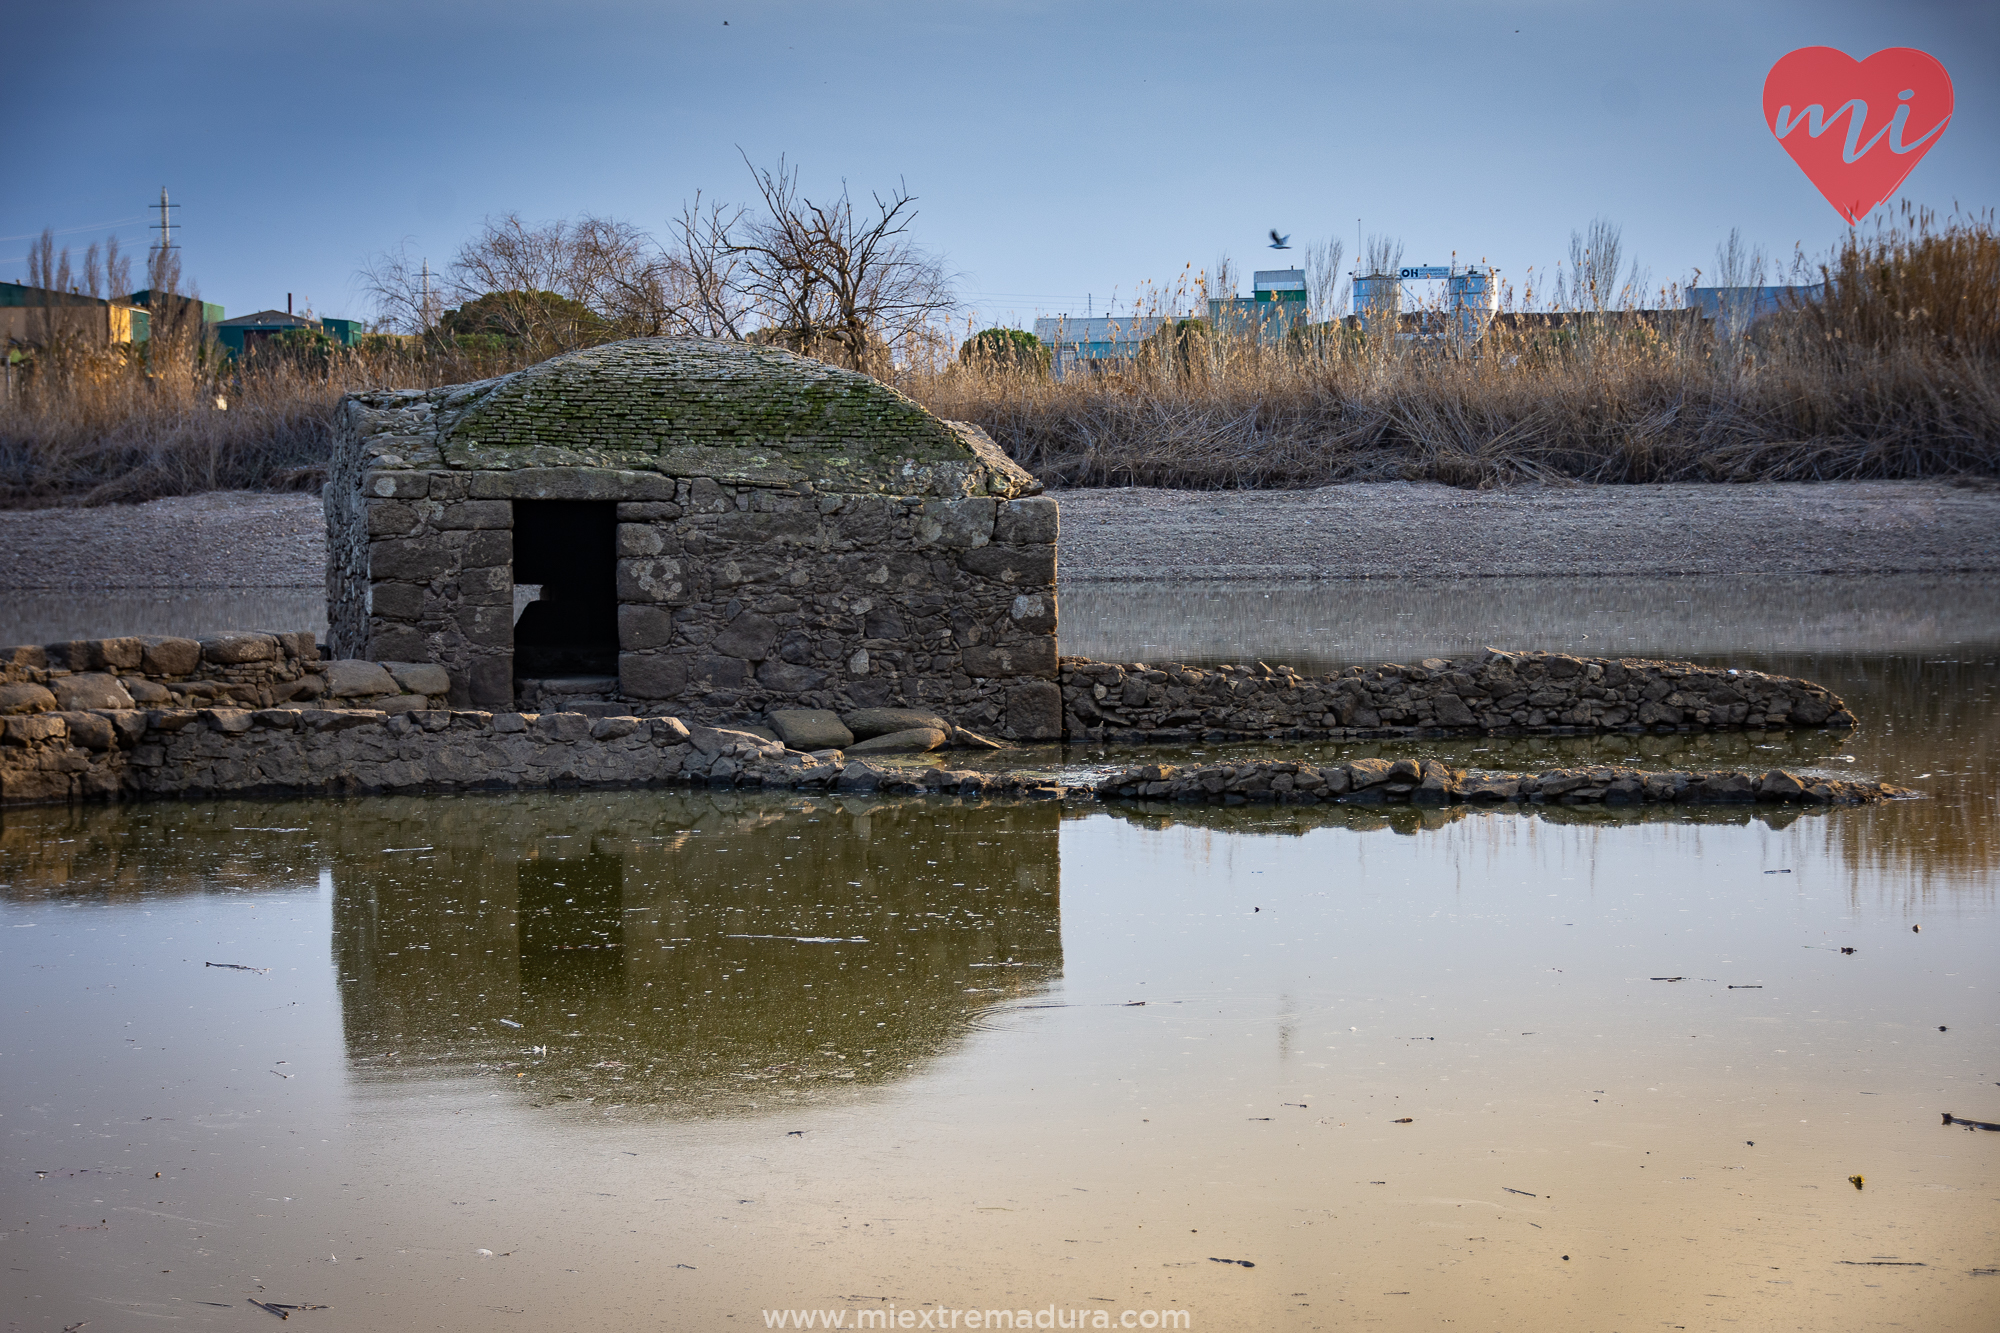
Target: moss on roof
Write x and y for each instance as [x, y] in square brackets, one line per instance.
[692, 407]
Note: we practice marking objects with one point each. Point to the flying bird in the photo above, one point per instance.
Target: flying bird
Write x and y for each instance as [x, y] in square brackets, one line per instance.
[1280, 242]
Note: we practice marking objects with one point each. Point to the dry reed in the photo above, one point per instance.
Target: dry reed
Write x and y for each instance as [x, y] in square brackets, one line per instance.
[1892, 374]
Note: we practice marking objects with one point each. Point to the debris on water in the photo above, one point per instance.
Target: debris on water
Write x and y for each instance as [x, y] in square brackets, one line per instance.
[238, 967]
[1757, 987]
[280, 1073]
[1749, 1143]
[690, 1267]
[1511, 1190]
[1245, 1262]
[1881, 1263]
[795, 1133]
[1406, 1120]
[1256, 1117]
[1857, 1181]
[1942, 1028]
[1670, 978]
[1951, 1119]
[507, 1022]
[1916, 930]
[1847, 948]
[1777, 872]
[483, 1253]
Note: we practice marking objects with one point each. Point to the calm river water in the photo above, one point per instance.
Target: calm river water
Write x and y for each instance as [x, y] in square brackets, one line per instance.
[670, 1060]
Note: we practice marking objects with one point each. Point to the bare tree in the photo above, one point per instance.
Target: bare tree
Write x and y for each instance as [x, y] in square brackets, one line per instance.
[711, 302]
[1323, 280]
[405, 292]
[826, 275]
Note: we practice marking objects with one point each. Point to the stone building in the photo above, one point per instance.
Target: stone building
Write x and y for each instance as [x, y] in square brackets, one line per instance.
[704, 529]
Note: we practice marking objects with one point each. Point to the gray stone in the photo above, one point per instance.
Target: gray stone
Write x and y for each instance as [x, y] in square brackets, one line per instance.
[613, 728]
[1034, 711]
[420, 677]
[916, 740]
[788, 678]
[89, 690]
[351, 678]
[651, 675]
[1027, 522]
[866, 723]
[144, 691]
[234, 647]
[749, 636]
[810, 729]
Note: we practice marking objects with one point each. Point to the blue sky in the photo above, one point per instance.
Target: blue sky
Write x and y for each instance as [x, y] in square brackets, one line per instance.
[1059, 151]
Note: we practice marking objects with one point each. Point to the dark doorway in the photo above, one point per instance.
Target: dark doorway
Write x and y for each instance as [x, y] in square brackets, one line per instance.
[570, 548]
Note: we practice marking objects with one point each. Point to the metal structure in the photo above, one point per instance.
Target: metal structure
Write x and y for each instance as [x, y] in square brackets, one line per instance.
[1472, 298]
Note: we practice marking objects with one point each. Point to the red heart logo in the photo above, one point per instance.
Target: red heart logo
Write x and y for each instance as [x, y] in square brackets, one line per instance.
[1857, 127]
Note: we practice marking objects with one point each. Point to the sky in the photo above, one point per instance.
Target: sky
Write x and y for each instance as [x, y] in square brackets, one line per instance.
[1062, 154]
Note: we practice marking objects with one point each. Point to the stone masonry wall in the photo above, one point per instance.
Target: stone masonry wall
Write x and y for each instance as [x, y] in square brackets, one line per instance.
[1497, 693]
[788, 536]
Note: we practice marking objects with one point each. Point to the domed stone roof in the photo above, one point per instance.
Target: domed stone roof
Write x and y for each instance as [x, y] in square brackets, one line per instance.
[690, 407]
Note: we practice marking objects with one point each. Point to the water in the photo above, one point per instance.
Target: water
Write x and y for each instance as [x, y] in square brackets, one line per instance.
[682, 1058]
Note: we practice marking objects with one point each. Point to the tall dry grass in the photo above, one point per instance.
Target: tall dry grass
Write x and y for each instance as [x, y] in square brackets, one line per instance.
[1895, 374]
[103, 425]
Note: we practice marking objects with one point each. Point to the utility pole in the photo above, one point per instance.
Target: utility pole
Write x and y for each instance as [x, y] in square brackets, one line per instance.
[166, 241]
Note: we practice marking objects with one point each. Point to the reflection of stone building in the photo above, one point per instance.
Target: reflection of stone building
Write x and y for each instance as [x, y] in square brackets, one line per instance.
[705, 529]
[687, 954]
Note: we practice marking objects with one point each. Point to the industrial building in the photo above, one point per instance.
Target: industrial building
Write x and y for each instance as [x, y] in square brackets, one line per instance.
[1276, 305]
[36, 316]
[238, 335]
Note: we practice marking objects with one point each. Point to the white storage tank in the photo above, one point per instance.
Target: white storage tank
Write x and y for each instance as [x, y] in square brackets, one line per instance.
[1378, 302]
[1472, 297]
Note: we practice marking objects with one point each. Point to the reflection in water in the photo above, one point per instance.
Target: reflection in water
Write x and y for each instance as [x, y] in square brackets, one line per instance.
[51, 617]
[684, 953]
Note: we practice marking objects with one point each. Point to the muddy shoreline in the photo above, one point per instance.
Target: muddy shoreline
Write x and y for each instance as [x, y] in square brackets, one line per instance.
[239, 539]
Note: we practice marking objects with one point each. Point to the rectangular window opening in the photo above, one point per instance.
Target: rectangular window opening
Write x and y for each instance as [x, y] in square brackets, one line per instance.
[570, 549]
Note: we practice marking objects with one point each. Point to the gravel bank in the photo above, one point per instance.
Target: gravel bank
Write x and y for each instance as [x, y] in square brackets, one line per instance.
[240, 539]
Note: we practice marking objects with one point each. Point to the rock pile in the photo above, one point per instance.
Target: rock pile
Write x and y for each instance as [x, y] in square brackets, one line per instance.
[1497, 693]
[1428, 782]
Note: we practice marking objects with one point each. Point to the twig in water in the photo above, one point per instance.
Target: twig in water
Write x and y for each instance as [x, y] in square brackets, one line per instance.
[1511, 1190]
[1951, 1119]
[238, 967]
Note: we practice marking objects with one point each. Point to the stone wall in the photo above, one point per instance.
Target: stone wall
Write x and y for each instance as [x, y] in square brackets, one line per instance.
[1498, 694]
[1429, 782]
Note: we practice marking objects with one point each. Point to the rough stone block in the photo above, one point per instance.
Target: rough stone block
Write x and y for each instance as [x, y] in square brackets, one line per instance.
[395, 485]
[644, 511]
[404, 558]
[170, 656]
[419, 677]
[477, 514]
[486, 626]
[234, 647]
[391, 518]
[651, 580]
[789, 678]
[1030, 522]
[636, 539]
[89, 690]
[354, 678]
[396, 642]
[396, 601]
[491, 681]
[1026, 657]
[24, 655]
[88, 730]
[25, 698]
[749, 636]
[810, 729]
[916, 740]
[1034, 613]
[651, 676]
[644, 627]
[722, 672]
[1034, 711]
[100, 654]
[868, 723]
[959, 524]
[1021, 566]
